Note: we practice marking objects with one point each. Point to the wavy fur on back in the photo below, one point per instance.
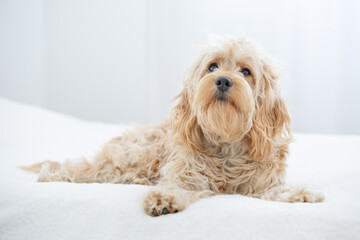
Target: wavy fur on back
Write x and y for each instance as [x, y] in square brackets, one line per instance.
[213, 143]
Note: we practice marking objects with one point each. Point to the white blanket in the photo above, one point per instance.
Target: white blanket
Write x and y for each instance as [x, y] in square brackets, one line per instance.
[32, 210]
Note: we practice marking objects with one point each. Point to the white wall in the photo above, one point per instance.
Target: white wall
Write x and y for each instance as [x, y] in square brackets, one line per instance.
[116, 61]
[95, 59]
[22, 52]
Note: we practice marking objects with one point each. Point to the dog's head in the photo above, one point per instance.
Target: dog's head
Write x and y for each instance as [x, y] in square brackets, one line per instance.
[231, 94]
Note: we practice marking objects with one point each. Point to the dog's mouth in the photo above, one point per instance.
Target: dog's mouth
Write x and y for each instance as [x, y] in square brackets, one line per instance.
[222, 97]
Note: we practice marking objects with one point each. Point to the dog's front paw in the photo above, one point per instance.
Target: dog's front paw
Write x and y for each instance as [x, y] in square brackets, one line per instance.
[308, 196]
[292, 194]
[157, 203]
[301, 194]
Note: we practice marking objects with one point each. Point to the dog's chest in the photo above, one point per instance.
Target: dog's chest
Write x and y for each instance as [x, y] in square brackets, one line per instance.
[227, 173]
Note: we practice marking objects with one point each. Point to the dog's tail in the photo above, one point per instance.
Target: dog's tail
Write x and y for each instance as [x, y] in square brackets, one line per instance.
[35, 168]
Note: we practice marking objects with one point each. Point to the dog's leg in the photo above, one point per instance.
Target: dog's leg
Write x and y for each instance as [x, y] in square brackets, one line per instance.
[171, 200]
[286, 193]
[69, 171]
[107, 166]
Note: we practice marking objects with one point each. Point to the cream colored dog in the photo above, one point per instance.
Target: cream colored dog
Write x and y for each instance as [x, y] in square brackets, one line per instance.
[228, 134]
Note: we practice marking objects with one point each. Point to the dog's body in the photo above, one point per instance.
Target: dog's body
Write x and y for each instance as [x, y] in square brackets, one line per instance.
[229, 134]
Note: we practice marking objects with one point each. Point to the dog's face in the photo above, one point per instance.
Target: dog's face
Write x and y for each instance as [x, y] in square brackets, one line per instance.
[225, 91]
[229, 93]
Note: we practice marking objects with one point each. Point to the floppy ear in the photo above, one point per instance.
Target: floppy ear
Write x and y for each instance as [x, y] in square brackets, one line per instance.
[271, 120]
[185, 124]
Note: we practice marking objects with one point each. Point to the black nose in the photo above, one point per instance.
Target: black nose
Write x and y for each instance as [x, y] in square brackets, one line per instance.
[223, 83]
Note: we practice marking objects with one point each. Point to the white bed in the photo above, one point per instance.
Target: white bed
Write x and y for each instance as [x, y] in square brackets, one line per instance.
[31, 210]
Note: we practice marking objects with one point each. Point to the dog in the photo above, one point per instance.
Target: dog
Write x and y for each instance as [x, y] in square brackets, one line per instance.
[228, 134]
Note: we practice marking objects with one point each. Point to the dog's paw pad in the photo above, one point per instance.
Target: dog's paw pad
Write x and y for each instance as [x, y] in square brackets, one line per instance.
[164, 211]
[158, 203]
[154, 212]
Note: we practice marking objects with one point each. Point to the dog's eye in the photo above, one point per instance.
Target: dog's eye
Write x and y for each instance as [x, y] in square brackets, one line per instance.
[245, 71]
[213, 67]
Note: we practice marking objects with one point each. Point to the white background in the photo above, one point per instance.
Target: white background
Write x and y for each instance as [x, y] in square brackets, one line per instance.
[118, 61]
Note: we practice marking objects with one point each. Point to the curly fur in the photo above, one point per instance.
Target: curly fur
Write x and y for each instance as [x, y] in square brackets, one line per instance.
[209, 146]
